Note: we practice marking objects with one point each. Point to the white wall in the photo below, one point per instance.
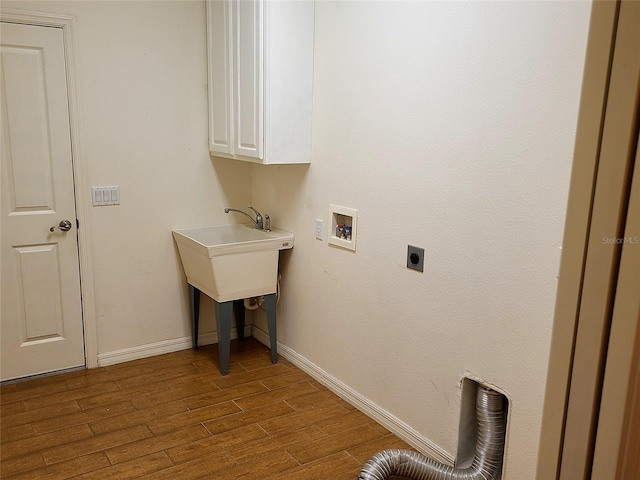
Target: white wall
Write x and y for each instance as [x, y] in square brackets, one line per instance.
[141, 76]
[448, 125]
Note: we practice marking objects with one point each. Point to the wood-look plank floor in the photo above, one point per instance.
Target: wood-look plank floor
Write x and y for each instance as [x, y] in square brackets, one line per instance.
[175, 417]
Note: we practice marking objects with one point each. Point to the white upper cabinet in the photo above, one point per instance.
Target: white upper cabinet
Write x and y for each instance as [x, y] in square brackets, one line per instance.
[260, 56]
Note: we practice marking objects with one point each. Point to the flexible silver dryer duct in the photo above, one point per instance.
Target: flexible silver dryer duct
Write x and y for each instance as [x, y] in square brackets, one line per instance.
[486, 461]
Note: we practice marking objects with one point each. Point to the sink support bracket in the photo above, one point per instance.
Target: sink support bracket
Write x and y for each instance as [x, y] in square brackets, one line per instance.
[223, 312]
[239, 311]
[270, 306]
[194, 303]
[223, 322]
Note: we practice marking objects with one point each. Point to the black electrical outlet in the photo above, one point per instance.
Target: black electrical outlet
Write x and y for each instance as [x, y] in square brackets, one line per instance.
[415, 258]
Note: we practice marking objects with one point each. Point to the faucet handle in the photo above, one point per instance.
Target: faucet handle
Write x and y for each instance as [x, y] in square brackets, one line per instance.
[258, 217]
[267, 222]
[255, 211]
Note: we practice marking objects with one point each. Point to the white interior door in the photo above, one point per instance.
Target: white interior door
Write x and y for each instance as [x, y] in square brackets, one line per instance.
[40, 312]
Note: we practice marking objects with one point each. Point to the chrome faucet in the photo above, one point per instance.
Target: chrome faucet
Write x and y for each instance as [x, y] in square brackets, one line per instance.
[257, 222]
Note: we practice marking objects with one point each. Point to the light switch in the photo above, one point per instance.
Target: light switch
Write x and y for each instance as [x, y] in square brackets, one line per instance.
[319, 229]
[105, 195]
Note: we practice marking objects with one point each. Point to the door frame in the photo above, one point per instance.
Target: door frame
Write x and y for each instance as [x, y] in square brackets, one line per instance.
[589, 270]
[617, 446]
[82, 188]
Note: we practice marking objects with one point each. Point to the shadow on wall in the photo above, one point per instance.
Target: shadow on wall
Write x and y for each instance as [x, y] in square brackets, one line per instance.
[283, 191]
[233, 179]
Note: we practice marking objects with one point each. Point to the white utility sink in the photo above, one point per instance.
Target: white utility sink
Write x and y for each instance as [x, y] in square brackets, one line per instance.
[229, 262]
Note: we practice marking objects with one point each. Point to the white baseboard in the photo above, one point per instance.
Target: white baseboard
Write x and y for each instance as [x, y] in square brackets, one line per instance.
[159, 348]
[144, 351]
[377, 413]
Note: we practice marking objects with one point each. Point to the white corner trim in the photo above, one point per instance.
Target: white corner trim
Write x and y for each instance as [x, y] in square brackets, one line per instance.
[362, 403]
[46, 19]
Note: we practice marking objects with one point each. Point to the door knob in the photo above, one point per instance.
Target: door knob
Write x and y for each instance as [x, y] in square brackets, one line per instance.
[64, 225]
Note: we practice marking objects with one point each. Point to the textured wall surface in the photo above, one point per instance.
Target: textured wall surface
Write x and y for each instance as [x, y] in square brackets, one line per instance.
[448, 125]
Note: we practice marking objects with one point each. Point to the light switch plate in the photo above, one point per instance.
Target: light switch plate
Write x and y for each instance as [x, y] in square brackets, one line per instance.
[319, 229]
[105, 195]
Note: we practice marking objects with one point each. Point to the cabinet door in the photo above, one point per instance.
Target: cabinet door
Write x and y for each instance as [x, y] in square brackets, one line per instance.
[219, 38]
[248, 81]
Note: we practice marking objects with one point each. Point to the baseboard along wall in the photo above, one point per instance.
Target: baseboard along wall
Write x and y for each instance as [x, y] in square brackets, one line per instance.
[377, 413]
